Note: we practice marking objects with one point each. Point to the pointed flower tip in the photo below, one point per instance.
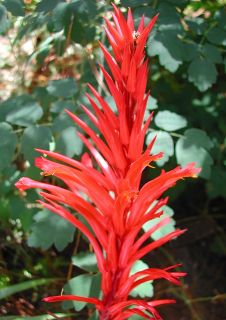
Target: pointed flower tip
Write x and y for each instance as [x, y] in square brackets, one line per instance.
[182, 231]
[68, 111]
[47, 299]
[23, 184]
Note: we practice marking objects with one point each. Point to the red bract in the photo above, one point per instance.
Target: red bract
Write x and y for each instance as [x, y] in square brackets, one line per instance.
[117, 207]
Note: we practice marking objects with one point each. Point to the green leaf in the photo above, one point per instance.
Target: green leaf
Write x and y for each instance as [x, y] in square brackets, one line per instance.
[64, 88]
[35, 137]
[202, 73]
[68, 142]
[81, 8]
[133, 3]
[16, 7]
[169, 18]
[212, 53]
[59, 106]
[4, 22]
[217, 36]
[145, 289]
[163, 143]
[158, 234]
[192, 148]
[82, 32]
[19, 211]
[25, 112]
[197, 25]
[10, 290]
[166, 58]
[170, 121]
[152, 103]
[46, 6]
[8, 143]
[78, 286]
[190, 51]
[60, 16]
[217, 185]
[86, 261]
[95, 290]
[50, 229]
[199, 137]
[61, 122]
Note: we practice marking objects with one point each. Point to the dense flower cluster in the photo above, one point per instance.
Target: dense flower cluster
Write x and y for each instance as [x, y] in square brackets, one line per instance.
[118, 206]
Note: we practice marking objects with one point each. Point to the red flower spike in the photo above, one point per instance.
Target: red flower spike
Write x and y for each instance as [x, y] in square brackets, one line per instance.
[116, 206]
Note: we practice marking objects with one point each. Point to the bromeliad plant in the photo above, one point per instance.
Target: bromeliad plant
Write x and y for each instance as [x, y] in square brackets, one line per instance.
[117, 206]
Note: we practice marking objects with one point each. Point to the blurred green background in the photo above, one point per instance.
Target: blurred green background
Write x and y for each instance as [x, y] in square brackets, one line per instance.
[49, 51]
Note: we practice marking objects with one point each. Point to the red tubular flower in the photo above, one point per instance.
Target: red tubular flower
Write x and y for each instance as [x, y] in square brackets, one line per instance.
[118, 207]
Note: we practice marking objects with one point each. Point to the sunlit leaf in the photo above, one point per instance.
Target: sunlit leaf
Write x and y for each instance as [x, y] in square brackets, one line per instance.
[145, 289]
[192, 147]
[86, 261]
[202, 73]
[170, 121]
[164, 143]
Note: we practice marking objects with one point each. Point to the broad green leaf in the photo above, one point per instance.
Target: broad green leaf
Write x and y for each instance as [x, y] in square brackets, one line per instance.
[16, 7]
[199, 137]
[169, 18]
[43, 97]
[212, 53]
[4, 22]
[8, 141]
[49, 229]
[59, 106]
[192, 148]
[197, 25]
[64, 88]
[35, 137]
[61, 122]
[133, 3]
[163, 143]
[86, 261]
[217, 36]
[10, 290]
[202, 73]
[166, 59]
[81, 31]
[68, 142]
[136, 317]
[19, 211]
[95, 290]
[81, 8]
[152, 103]
[78, 286]
[60, 16]
[145, 289]
[46, 6]
[190, 51]
[217, 184]
[170, 121]
[8, 177]
[25, 112]
[158, 234]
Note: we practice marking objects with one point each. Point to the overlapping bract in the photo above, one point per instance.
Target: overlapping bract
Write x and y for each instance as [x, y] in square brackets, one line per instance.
[117, 207]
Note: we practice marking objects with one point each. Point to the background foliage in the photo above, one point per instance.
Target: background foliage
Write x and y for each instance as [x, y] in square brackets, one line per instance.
[49, 52]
